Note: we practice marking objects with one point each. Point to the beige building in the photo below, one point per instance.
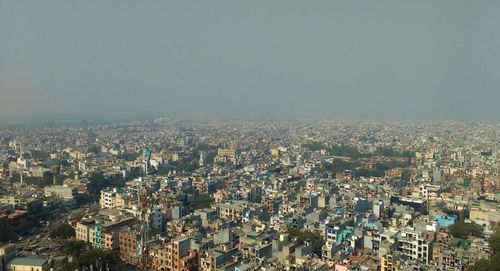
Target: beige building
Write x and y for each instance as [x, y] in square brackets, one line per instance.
[28, 264]
[108, 198]
[179, 255]
[82, 230]
[7, 252]
[77, 155]
[390, 262]
[477, 214]
[225, 155]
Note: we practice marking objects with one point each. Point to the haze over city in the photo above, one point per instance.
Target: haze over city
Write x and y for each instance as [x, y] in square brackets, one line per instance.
[257, 135]
[67, 60]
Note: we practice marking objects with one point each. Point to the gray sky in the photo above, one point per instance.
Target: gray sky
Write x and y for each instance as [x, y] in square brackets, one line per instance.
[249, 59]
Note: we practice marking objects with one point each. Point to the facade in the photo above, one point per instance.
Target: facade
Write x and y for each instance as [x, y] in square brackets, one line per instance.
[415, 245]
[108, 198]
[179, 254]
[82, 230]
[128, 242]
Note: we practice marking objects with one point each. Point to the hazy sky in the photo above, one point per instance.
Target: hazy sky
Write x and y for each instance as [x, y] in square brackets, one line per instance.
[436, 59]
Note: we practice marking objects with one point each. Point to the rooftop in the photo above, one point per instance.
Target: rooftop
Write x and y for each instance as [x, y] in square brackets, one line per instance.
[31, 261]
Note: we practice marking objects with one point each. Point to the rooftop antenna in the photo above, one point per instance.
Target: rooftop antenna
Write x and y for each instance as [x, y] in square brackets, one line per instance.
[143, 203]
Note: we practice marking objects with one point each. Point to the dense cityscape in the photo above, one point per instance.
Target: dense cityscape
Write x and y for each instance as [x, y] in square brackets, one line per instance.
[244, 195]
[282, 135]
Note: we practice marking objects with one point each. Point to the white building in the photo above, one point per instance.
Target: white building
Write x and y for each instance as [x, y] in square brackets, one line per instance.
[108, 198]
[414, 245]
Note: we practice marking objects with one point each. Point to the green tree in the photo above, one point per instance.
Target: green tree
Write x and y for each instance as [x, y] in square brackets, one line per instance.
[39, 155]
[314, 146]
[62, 230]
[201, 201]
[315, 239]
[406, 174]
[386, 152]
[98, 259]
[481, 265]
[346, 150]
[7, 233]
[188, 166]
[464, 229]
[408, 154]
[388, 165]
[494, 242]
[73, 247]
[129, 156]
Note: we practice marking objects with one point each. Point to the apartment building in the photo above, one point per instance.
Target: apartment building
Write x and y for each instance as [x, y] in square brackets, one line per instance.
[415, 245]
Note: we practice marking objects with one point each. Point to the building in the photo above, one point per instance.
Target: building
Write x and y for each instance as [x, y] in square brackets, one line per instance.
[219, 258]
[28, 264]
[102, 231]
[129, 245]
[108, 198]
[391, 262]
[61, 191]
[415, 245]
[82, 230]
[225, 155]
[242, 210]
[180, 254]
[378, 208]
[7, 253]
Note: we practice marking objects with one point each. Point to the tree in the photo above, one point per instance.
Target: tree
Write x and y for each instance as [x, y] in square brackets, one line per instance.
[188, 167]
[494, 242]
[129, 156]
[386, 152]
[39, 155]
[62, 231]
[90, 257]
[315, 239]
[388, 165]
[406, 174]
[201, 201]
[73, 247]
[464, 229]
[408, 154]
[7, 233]
[346, 150]
[480, 265]
[314, 146]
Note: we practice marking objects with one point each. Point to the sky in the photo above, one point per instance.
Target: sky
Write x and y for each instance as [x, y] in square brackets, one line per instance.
[259, 59]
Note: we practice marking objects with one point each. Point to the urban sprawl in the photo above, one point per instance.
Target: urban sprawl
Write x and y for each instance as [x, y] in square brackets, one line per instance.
[244, 195]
